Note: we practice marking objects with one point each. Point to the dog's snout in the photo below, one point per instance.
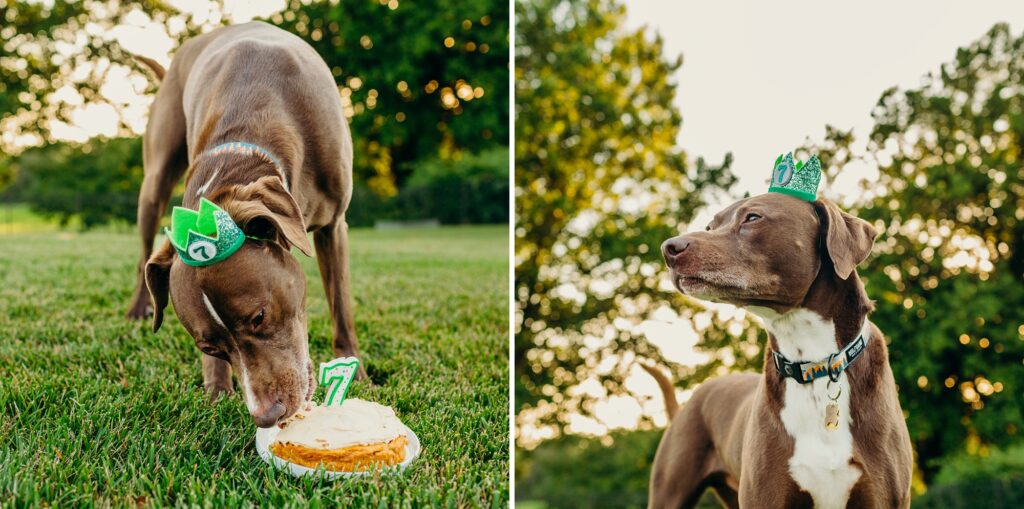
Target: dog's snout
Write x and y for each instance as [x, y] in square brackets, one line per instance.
[672, 248]
[268, 416]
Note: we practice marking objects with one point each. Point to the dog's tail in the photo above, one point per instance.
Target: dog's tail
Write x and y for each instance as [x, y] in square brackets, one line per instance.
[668, 391]
[157, 69]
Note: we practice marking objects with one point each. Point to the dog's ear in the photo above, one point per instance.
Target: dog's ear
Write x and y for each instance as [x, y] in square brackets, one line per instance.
[265, 209]
[158, 276]
[848, 239]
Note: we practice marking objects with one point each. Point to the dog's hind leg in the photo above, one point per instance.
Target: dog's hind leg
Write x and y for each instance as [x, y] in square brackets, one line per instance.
[332, 254]
[684, 460]
[165, 160]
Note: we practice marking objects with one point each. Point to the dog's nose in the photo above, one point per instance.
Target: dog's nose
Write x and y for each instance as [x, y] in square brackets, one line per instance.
[672, 248]
[268, 417]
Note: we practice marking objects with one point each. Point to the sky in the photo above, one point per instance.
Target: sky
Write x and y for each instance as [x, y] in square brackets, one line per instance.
[758, 78]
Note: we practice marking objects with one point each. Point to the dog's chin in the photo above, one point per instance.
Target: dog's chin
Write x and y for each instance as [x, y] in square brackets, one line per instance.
[705, 287]
[698, 288]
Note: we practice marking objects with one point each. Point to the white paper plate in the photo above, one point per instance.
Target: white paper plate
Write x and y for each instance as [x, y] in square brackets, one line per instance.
[266, 436]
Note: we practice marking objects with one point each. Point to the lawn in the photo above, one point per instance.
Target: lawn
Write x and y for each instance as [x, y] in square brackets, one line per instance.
[101, 411]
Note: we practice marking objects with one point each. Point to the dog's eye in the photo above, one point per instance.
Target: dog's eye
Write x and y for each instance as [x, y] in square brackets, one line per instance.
[707, 228]
[258, 319]
[751, 217]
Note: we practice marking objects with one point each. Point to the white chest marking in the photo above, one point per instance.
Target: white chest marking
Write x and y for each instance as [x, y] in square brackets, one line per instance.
[820, 464]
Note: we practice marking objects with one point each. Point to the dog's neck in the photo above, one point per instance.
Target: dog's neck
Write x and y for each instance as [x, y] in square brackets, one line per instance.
[843, 302]
[832, 314]
[212, 172]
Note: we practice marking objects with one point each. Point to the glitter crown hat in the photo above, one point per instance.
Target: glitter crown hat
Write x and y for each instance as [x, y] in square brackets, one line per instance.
[205, 236]
[799, 180]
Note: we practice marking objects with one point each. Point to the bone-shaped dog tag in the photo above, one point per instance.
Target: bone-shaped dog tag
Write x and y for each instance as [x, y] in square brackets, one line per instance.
[832, 416]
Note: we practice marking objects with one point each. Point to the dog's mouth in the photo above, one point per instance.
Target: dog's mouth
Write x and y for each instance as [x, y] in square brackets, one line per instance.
[693, 285]
[707, 285]
[294, 404]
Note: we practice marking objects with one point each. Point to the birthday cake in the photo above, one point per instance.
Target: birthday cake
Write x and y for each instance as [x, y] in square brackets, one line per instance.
[354, 436]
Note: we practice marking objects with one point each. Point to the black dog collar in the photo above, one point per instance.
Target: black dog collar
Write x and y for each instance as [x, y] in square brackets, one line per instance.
[831, 366]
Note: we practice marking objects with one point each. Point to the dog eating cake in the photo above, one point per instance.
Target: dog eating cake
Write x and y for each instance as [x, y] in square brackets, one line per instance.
[357, 435]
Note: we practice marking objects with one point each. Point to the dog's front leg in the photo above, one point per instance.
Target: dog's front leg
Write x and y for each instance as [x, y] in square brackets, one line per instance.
[165, 160]
[216, 377]
[331, 244]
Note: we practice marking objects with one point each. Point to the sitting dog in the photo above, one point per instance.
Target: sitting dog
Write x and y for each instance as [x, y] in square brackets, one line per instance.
[822, 426]
[254, 113]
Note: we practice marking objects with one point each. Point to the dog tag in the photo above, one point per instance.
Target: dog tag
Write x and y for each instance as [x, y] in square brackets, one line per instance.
[832, 416]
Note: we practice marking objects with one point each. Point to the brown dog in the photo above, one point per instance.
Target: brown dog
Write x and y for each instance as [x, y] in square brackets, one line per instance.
[766, 441]
[260, 85]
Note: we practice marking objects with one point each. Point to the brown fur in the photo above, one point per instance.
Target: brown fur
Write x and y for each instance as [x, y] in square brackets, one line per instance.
[668, 391]
[153, 65]
[257, 84]
[729, 435]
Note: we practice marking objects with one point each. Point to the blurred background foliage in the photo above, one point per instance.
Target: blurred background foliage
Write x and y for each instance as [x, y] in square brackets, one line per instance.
[96, 182]
[600, 183]
[425, 88]
[948, 270]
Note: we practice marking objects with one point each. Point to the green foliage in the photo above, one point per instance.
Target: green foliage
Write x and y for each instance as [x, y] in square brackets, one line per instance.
[613, 471]
[471, 189]
[50, 45]
[995, 464]
[97, 182]
[948, 268]
[599, 184]
[410, 96]
[99, 411]
[7, 174]
[576, 471]
[965, 479]
[988, 493]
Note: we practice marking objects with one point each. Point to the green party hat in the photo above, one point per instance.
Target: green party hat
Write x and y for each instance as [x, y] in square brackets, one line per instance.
[799, 180]
[204, 237]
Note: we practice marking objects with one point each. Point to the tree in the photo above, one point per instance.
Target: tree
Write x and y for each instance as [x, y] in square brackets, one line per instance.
[417, 80]
[949, 267]
[48, 46]
[599, 184]
[97, 182]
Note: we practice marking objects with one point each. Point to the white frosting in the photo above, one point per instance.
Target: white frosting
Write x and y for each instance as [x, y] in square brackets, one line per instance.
[355, 422]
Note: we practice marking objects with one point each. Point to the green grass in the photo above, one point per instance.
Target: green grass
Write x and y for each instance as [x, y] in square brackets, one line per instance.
[100, 411]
